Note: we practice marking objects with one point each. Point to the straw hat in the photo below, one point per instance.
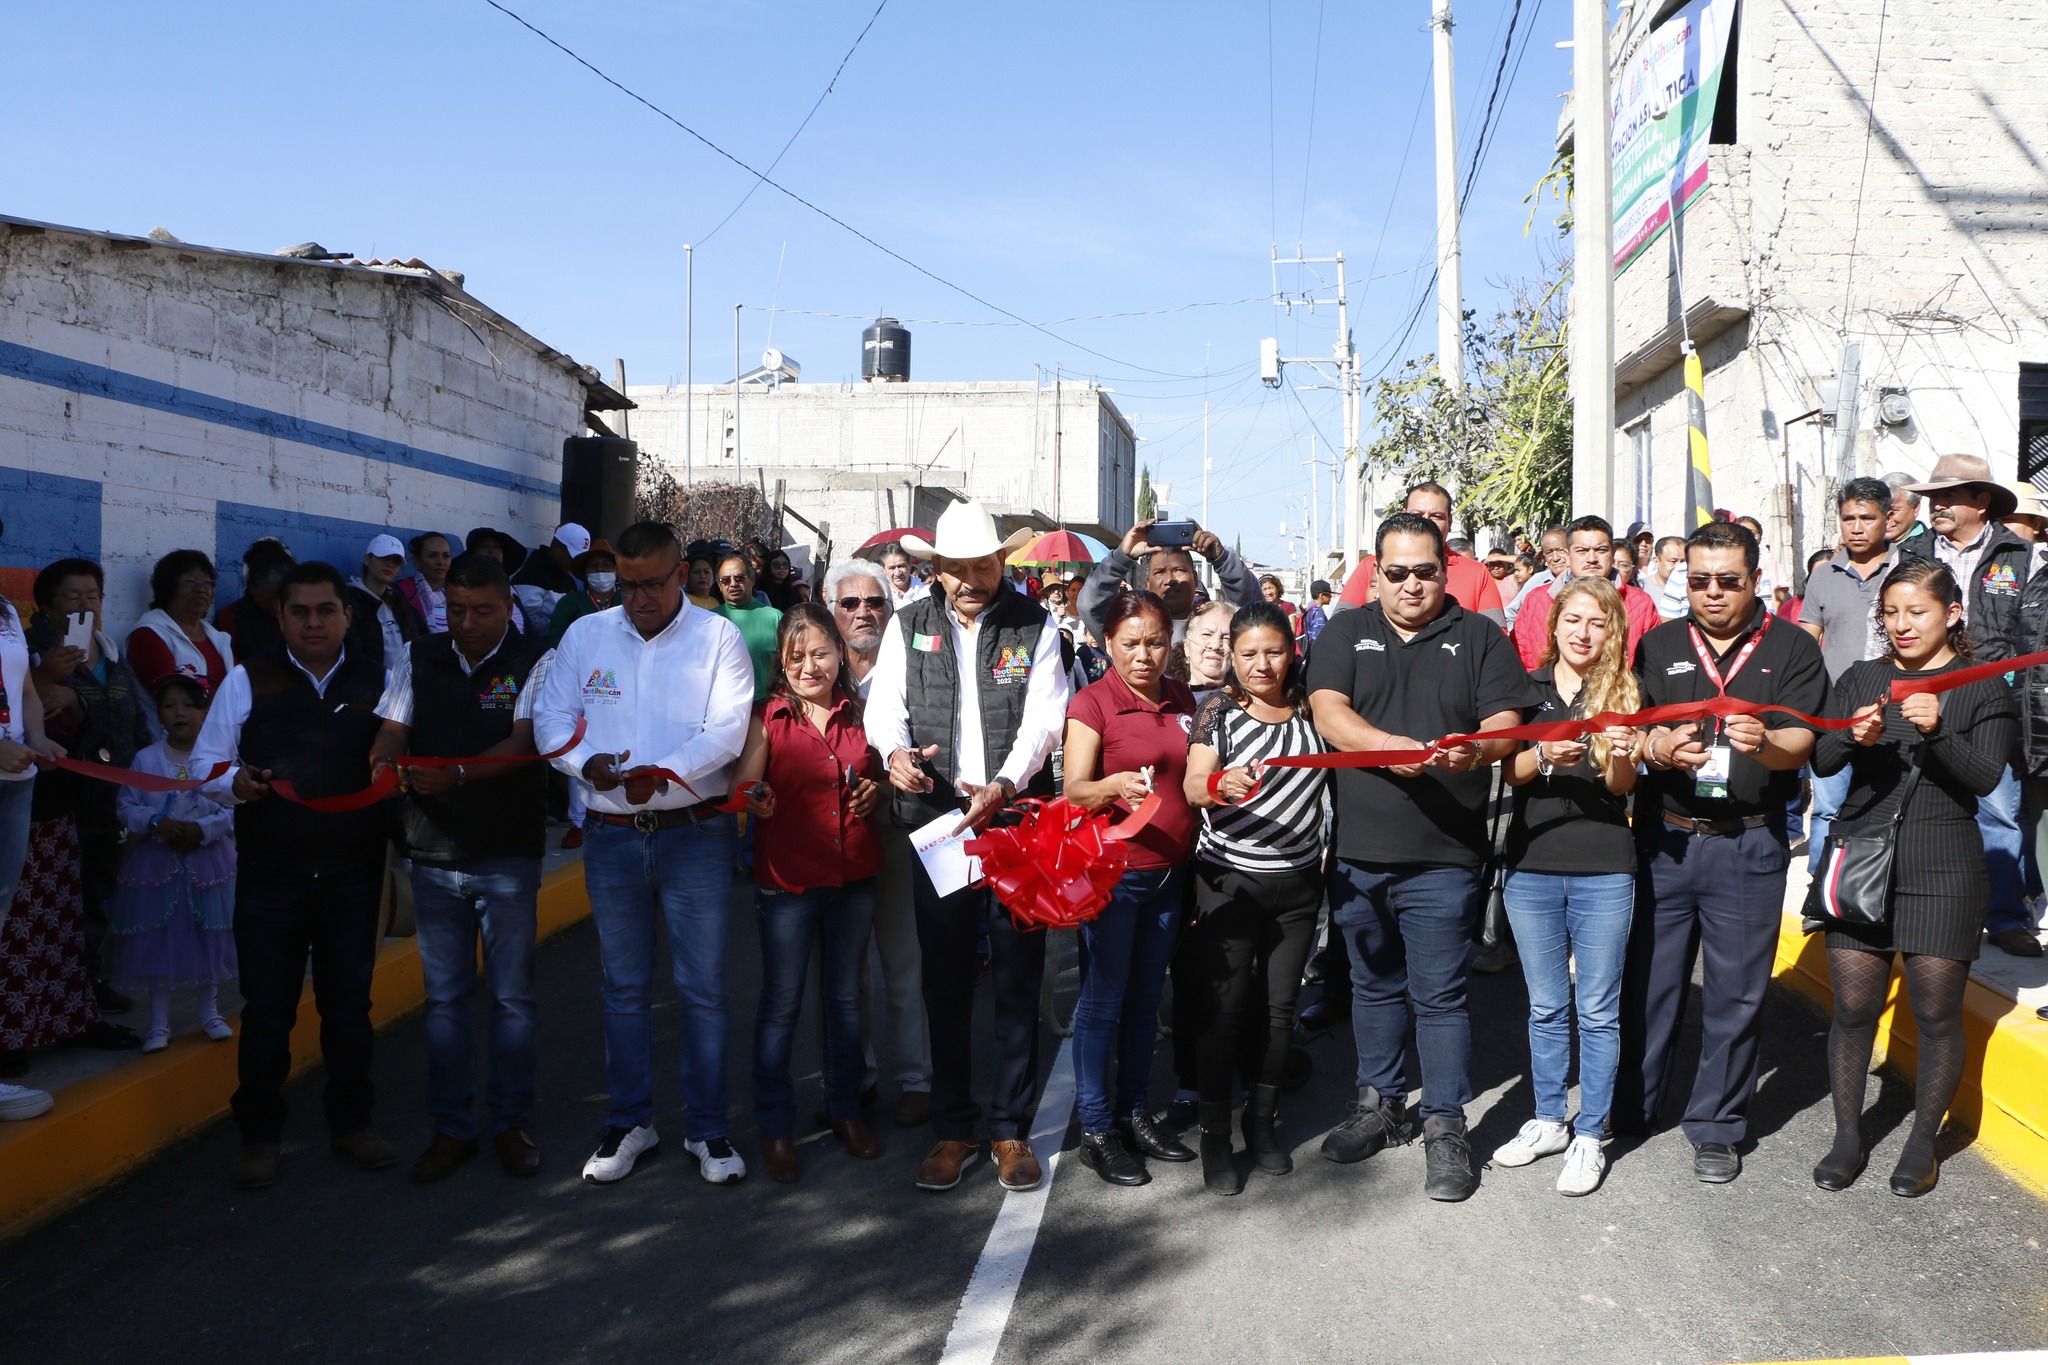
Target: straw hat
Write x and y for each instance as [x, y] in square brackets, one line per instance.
[966, 530]
[2028, 500]
[1961, 471]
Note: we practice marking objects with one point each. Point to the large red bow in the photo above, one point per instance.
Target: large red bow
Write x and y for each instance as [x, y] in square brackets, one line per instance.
[1056, 867]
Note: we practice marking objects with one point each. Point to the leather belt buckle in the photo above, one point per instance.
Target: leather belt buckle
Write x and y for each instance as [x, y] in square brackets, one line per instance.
[646, 821]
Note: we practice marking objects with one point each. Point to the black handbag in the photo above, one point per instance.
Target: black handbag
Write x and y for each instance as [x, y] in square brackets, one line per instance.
[1854, 884]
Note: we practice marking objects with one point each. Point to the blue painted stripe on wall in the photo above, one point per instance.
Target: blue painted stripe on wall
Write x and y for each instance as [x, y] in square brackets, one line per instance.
[48, 517]
[47, 367]
[308, 535]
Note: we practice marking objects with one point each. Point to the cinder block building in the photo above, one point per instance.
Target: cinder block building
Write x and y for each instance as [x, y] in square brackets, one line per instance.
[156, 395]
[861, 457]
[1877, 178]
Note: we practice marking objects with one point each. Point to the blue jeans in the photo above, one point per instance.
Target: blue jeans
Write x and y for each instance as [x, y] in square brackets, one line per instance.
[840, 916]
[1124, 952]
[1828, 795]
[684, 875]
[494, 898]
[1408, 928]
[1562, 922]
[1998, 819]
[14, 805]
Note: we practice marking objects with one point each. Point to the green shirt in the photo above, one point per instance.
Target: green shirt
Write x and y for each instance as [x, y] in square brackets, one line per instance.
[758, 627]
[571, 608]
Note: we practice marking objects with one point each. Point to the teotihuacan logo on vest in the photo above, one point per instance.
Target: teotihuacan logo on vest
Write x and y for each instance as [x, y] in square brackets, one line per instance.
[1013, 664]
[502, 692]
[602, 685]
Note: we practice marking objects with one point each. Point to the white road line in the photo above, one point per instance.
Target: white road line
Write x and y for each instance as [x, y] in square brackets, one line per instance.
[992, 1290]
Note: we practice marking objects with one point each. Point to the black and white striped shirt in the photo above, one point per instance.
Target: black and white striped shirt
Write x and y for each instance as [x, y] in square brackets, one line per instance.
[1281, 828]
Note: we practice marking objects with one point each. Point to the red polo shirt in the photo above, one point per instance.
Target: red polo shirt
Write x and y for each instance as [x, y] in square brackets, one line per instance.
[1137, 734]
[1466, 580]
[814, 839]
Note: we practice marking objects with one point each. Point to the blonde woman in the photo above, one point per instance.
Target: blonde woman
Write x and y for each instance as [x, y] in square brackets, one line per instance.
[1571, 872]
[1207, 649]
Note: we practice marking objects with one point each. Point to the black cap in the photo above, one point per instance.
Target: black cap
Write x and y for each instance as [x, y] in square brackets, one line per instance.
[1318, 588]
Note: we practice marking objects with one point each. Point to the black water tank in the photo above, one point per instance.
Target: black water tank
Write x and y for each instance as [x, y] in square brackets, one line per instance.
[885, 353]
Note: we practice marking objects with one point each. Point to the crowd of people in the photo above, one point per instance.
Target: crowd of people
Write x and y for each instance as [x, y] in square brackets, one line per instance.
[696, 711]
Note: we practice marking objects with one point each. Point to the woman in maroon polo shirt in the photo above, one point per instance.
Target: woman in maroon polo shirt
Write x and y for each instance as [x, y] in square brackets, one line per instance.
[1127, 739]
[816, 853]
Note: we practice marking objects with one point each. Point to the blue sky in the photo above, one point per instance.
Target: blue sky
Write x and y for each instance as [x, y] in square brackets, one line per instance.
[1059, 160]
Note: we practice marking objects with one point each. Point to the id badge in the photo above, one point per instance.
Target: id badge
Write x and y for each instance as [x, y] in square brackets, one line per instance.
[1711, 779]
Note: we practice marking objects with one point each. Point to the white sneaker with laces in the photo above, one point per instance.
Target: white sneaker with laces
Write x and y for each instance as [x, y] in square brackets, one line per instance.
[717, 1162]
[617, 1151]
[20, 1102]
[1584, 1166]
[1538, 1138]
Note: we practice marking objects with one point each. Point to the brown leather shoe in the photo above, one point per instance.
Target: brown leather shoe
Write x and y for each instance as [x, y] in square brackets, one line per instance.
[2018, 942]
[945, 1164]
[256, 1167]
[778, 1158]
[859, 1139]
[517, 1153]
[441, 1158]
[1016, 1165]
[914, 1109]
[366, 1149]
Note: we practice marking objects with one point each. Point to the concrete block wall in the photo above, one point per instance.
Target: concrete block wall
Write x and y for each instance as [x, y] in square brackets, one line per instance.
[1944, 289]
[210, 396]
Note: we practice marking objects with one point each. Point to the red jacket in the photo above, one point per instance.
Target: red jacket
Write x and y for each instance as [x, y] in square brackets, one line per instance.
[1465, 579]
[1532, 623]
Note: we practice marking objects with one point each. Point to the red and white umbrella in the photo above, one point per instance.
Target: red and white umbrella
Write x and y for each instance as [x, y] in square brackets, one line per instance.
[1054, 547]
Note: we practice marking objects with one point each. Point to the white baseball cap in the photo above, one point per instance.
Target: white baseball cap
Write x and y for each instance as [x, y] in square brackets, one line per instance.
[385, 545]
[572, 538]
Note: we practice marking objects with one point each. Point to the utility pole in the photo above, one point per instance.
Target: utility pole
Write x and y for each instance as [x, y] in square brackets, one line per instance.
[1344, 360]
[1205, 464]
[689, 316]
[1592, 320]
[1058, 428]
[1315, 520]
[625, 414]
[1450, 290]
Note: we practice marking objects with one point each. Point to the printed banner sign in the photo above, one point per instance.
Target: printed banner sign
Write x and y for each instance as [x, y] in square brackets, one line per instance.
[1660, 164]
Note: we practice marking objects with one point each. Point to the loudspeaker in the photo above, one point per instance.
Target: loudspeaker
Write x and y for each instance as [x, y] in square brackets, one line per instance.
[599, 476]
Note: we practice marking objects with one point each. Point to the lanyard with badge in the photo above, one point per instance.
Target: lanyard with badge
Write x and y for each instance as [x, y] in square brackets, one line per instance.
[1711, 780]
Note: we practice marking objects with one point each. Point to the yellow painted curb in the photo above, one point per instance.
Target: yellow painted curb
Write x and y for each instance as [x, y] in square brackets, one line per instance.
[104, 1127]
[2003, 1097]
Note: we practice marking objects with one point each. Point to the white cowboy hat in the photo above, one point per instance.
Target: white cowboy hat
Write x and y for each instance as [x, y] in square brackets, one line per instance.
[965, 531]
[2029, 500]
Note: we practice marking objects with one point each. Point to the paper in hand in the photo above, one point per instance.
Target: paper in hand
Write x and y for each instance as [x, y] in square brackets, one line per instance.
[944, 854]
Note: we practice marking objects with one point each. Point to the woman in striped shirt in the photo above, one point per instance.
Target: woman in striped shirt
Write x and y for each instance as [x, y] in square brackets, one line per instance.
[1258, 878]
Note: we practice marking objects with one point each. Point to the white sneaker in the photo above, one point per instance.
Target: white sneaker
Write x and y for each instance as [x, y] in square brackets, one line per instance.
[156, 1040]
[1584, 1165]
[218, 1029]
[617, 1152]
[20, 1102]
[1539, 1137]
[717, 1162]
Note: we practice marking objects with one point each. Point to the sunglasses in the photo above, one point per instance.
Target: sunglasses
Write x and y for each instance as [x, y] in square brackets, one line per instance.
[735, 578]
[856, 603]
[1728, 582]
[1399, 573]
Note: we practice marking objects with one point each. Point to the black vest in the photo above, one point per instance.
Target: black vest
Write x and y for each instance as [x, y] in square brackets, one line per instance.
[1006, 642]
[454, 715]
[321, 745]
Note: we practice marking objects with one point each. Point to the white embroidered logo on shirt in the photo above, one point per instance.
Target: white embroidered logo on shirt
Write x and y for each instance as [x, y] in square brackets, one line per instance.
[1453, 647]
[1682, 666]
[1374, 645]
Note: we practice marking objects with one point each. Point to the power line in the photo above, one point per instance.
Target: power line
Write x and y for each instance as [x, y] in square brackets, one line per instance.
[834, 219]
[1315, 81]
[801, 126]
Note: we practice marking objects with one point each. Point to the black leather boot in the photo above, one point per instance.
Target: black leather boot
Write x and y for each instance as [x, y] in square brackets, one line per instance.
[1147, 1139]
[1260, 1113]
[1106, 1155]
[1219, 1164]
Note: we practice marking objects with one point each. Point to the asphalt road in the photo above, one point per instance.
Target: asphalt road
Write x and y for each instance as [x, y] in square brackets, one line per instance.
[854, 1264]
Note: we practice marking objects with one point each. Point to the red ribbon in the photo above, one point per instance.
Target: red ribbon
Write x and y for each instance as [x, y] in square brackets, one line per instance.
[1216, 789]
[1057, 867]
[1674, 713]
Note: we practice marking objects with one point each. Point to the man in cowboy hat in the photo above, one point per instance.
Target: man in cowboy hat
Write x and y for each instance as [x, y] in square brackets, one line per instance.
[1990, 564]
[966, 702]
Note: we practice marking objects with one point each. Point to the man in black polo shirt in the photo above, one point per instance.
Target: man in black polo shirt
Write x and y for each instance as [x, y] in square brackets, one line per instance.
[1410, 667]
[308, 882]
[476, 833]
[1710, 823]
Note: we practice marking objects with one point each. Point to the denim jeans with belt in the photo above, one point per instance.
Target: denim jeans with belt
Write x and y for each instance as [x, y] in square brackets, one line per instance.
[495, 899]
[1562, 923]
[840, 918]
[1124, 952]
[1408, 928]
[684, 875]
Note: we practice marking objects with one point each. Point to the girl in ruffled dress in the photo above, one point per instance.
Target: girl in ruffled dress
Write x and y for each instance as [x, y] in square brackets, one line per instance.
[172, 919]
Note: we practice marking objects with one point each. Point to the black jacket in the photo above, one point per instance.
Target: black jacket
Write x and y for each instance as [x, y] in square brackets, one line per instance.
[2033, 684]
[1994, 594]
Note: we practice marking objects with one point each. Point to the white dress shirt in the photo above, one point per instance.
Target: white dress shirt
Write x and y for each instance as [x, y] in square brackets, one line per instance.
[396, 703]
[220, 738]
[1046, 693]
[680, 701]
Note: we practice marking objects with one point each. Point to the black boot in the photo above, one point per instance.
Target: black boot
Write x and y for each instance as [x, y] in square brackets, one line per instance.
[1219, 1164]
[1447, 1154]
[1265, 1146]
[1106, 1155]
[1145, 1138]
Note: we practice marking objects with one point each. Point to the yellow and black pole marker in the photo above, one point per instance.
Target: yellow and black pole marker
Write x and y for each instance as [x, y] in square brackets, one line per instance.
[1699, 479]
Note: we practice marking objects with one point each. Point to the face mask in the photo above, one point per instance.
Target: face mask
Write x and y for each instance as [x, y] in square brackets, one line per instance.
[603, 583]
